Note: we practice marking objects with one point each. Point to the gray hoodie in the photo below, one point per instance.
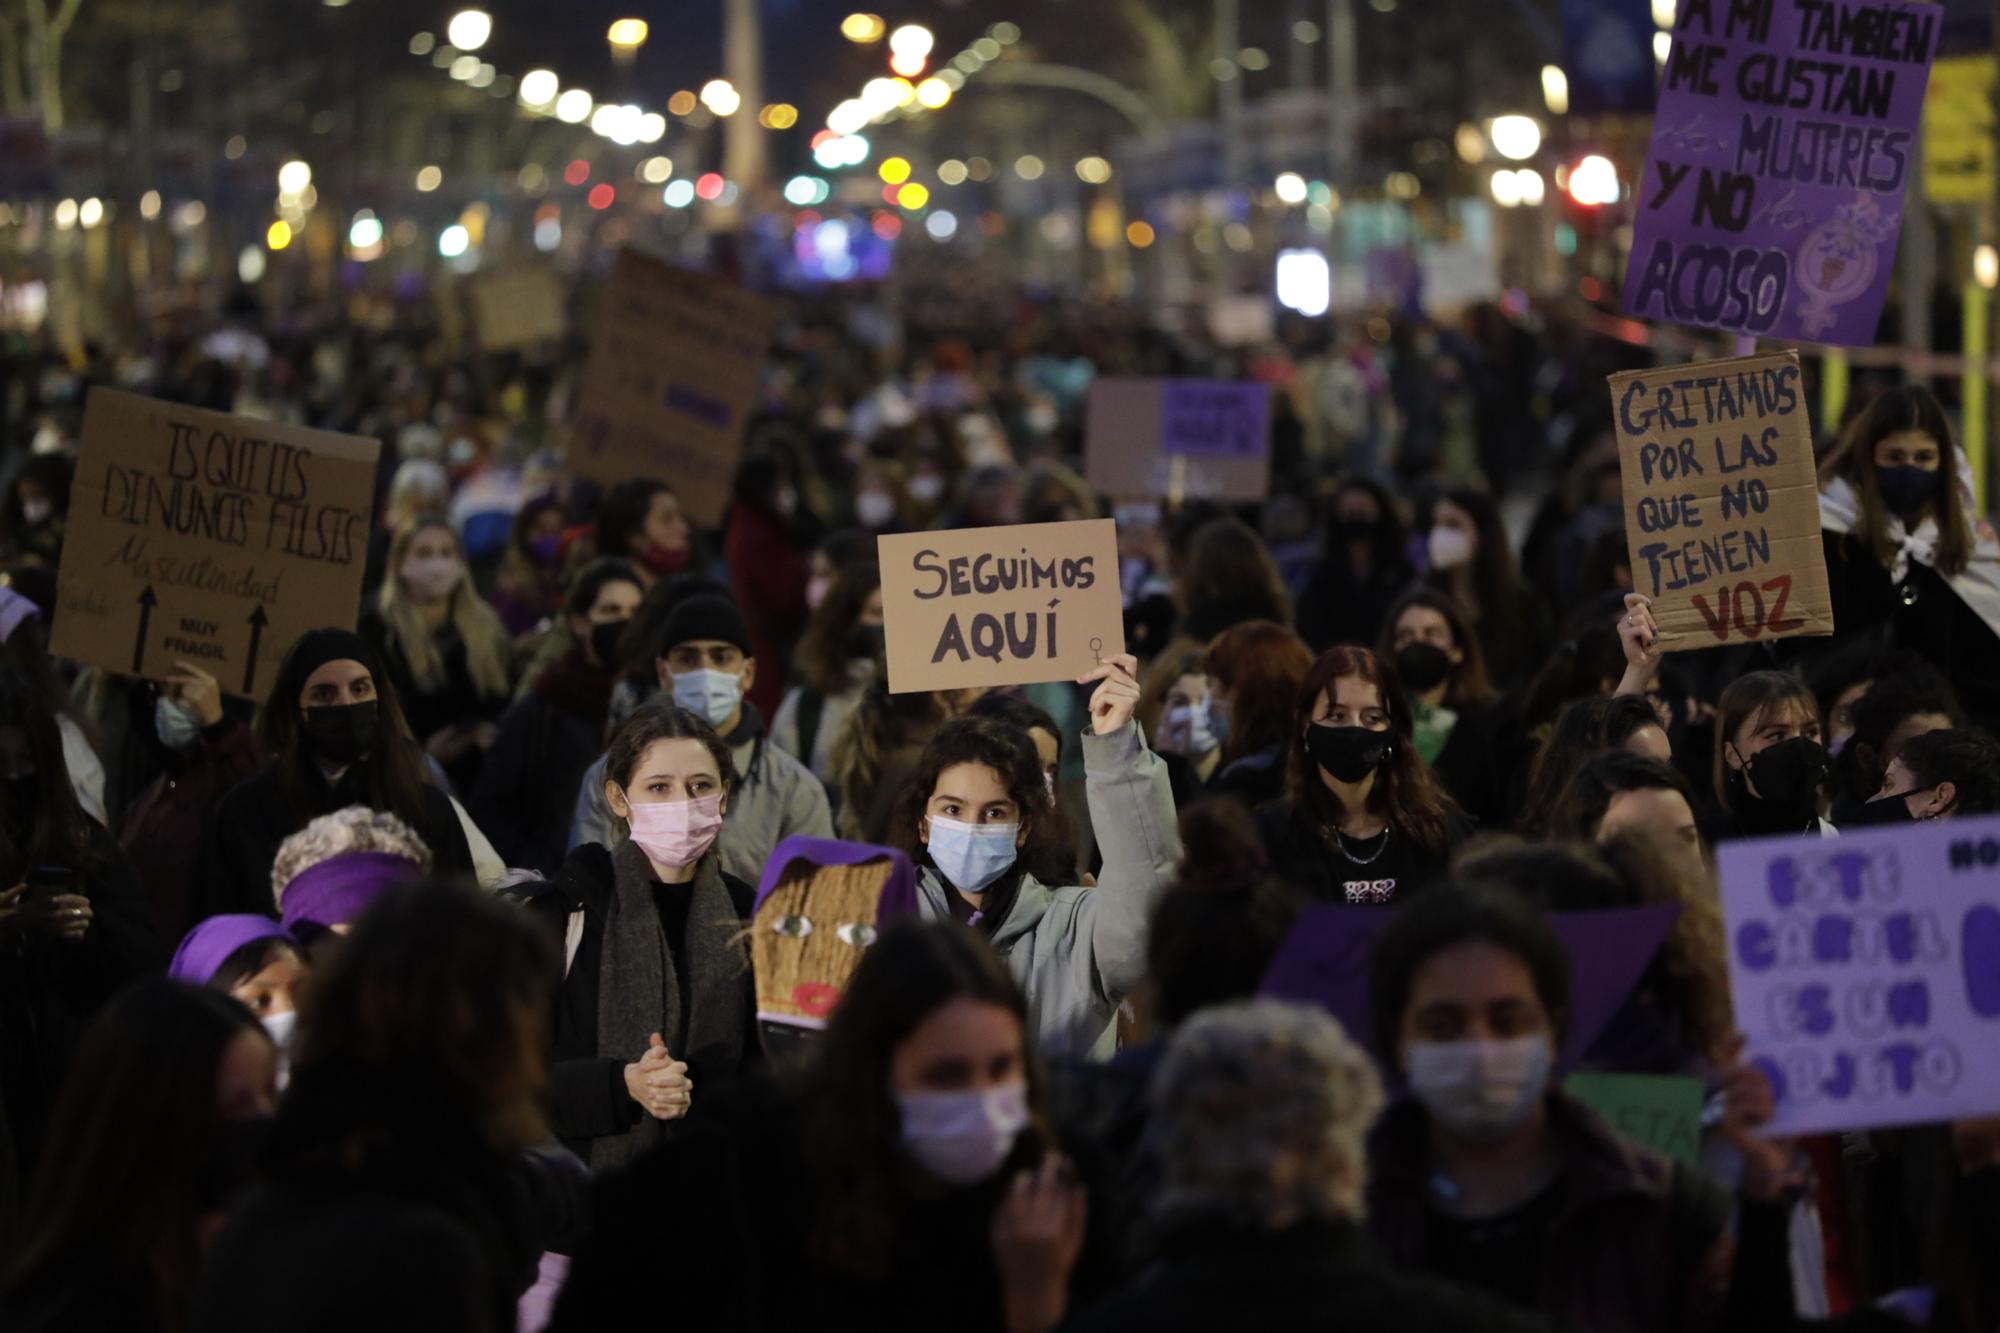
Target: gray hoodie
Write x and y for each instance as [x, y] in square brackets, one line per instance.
[1079, 951]
[778, 798]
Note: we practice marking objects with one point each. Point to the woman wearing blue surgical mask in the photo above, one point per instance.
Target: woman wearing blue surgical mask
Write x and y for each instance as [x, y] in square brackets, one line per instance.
[1905, 548]
[904, 1177]
[1488, 1173]
[977, 820]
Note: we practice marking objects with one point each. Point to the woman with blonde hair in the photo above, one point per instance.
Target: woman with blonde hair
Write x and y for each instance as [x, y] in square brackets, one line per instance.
[446, 649]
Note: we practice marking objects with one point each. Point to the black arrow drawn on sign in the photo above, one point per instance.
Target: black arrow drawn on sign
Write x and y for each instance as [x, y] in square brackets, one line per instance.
[257, 622]
[147, 601]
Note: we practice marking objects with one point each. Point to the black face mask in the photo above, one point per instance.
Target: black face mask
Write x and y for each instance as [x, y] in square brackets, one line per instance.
[1906, 490]
[865, 641]
[1423, 666]
[343, 734]
[1788, 776]
[604, 640]
[1348, 753]
[1883, 810]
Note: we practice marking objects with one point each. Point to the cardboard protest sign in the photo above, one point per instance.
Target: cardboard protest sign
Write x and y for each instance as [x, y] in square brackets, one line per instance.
[517, 307]
[1325, 961]
[1657, 1111]
[1722, 501]
[200, 537]
[1773, 191]
[1866, 972]
[672, 377]
[1206, 439]
[1000, 606]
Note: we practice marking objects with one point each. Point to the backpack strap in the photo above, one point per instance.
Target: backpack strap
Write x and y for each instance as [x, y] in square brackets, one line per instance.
[812, 707]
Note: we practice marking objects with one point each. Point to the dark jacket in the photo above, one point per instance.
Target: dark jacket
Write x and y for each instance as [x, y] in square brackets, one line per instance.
[1253, 779]
[529, 783]
[383, 1212]
[164, 830]
[1339, 608]
[1468, 768]
[1307, 858]
[1322, 1275]
[1634, 1242]
[767, 572]
[1923, 613]
[722, 1216]
[456, 700]
[49, 992]
[257, 816]
[104, 1294]
[591, 1099]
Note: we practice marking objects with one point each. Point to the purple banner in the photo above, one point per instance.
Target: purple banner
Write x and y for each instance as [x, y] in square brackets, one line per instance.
[1215, 417]
[1774, 187]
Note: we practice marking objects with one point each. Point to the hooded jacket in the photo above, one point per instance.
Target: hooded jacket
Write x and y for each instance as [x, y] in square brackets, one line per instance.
[1079, 951]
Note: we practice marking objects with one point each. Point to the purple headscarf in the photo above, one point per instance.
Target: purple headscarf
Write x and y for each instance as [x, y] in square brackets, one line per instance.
[339, 889]
[207, 947]
[899, 895]
[14, 609]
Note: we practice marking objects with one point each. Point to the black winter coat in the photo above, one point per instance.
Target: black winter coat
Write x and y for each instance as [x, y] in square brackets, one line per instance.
[1315, 1275]
[591, 1099]
[527, 789]
[256, 817]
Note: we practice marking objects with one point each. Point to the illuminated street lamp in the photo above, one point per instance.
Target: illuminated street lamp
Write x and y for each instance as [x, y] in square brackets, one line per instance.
[469, 29]
[629, 33]
[1515, 137]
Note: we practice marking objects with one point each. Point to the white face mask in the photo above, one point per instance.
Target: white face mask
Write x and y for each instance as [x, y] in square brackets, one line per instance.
[280, 1028]
[963, 1137]
[37, 511]
[1449, 547]
[926, 487]
[972, 856]
[1481, 1090]
[176, 724]
[432, 577]
[709, 694]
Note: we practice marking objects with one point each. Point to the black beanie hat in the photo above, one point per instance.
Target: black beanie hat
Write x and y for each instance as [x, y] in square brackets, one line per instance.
[314, 649]
[706, 617]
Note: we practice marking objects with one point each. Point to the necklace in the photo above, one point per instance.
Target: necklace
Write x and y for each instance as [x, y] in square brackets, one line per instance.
[1340, 840]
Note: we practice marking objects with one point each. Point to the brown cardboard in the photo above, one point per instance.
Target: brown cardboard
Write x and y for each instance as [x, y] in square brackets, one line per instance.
[208, 538]
[517, 307]
[1722, 500]
[671, 381]
[1126, 452]
[945, 633]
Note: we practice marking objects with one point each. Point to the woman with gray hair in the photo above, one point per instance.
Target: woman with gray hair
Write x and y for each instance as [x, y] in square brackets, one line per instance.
[1262, 1111]
[327, 873]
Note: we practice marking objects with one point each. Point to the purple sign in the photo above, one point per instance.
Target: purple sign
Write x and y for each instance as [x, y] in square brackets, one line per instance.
[1774, 188]
[1866, 972]
[1215, 417]
[1325, 961]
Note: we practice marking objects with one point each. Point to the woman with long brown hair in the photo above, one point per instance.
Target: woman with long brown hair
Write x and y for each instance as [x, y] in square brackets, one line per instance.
[1364, 821]
[1254, 672]
[1904, 547]
[1429, 636]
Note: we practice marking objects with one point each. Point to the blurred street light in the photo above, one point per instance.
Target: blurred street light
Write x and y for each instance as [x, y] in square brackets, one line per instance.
[1986, 266]
[469, 29]
[720, 97]
[365, 232]
[464, 67]
[1593, 182]
[627, 34]
[1471, 145]
[294, 176]
[1555, 90]
[933, 93]
[863, 28]
[453, 240]
[1506, 189]
[573, 107]
[908, 66]
[913, 40]
[1533, 189]
[278, 235]
[429, 178]
[90, 212]
[1093, 170]
[1290, 188]
[894, 170]
[1515, 137]
[539, 87]
[149, 205]
[1028, 167]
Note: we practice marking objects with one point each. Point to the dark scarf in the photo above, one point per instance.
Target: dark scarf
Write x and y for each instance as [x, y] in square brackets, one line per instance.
[575, 685]
[638, 986]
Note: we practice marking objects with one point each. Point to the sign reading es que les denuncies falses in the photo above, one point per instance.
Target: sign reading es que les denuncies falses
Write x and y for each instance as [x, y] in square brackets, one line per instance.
[1721, 500]
[1773, 192]
[212, 539]
[1000, 606]
[1866, 972]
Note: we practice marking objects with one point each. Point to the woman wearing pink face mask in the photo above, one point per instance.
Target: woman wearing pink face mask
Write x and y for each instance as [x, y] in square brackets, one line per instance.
[656, 998]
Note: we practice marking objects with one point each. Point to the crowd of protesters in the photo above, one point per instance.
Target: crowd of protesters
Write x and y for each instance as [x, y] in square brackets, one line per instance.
[435, 990]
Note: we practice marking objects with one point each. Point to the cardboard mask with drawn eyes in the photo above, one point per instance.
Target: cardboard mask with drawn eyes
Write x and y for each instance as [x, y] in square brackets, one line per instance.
[820, 904]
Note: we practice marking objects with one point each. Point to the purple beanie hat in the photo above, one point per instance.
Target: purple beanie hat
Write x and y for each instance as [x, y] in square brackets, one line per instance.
[339, 889]
[207, 947]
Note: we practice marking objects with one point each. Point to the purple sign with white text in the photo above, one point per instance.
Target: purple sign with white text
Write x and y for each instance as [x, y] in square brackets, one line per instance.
[1866, 972]
[1773, 192]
